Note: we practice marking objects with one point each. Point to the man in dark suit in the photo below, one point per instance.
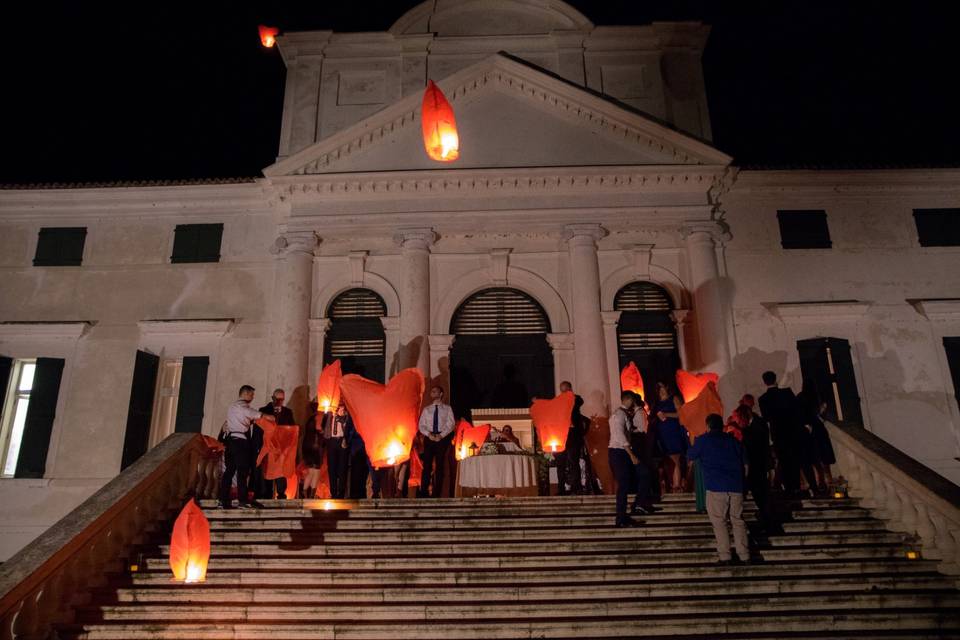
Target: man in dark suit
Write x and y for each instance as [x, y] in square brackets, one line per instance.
[568, 462]
[284, 416]
[780, 408]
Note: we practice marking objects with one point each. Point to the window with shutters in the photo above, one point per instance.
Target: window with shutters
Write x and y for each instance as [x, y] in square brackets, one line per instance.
[60, 247]
[499, 312]
[16, 403]
[356, 336]
[938, 227]
[646, 334]
[804, 229]
[197, 243]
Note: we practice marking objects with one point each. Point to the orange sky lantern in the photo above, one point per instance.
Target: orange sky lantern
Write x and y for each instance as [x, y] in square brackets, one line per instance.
[328, 387]
[631, 380]
[190, 545]
[693, 414]
[268, 36]
[440, 138]
[552, 421]
[386, 416]
[691, 384]
[467, 435]
[280, 444]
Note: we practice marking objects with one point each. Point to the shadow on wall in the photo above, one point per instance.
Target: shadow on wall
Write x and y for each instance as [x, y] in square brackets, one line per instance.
[408, 355]
[442, 381]
[744, 377]
[297, 401]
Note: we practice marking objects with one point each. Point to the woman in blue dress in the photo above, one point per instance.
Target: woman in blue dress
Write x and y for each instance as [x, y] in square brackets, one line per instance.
[673, 438]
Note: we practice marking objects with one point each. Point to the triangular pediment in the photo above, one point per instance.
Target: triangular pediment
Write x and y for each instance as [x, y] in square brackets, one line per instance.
[509, 114]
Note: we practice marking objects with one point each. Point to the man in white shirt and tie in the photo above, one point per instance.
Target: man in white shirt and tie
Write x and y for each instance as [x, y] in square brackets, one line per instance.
[436, 426]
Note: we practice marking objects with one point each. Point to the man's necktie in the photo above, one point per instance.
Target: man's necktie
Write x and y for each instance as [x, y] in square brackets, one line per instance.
[436, 420]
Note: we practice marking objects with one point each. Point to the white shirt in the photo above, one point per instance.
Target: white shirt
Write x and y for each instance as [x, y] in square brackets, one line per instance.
[239, 417]
[639, 420]
[619, 429]
[445, 421]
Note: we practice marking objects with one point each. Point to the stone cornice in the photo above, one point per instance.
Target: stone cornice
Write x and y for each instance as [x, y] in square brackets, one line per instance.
[847, 182]
[27, 330]
[824, 311]
[213, 328]
[938, 309]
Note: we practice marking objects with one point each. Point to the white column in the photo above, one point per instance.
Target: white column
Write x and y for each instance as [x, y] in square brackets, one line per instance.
[291, 339]
[590, 353]
[415, 297]
[440, 345]
[564, 365]
[610, 320]
[680, 319]
[318, 338]
[391, 331]
[707, 295]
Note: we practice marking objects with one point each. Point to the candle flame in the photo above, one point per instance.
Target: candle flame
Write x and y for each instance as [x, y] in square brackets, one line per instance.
[268, 36]
[194, 572]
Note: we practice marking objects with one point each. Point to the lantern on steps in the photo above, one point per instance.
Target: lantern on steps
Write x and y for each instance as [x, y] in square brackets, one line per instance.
[691, 384]
[469, 439]
[552, 419]
[190, 545]
[440, 138]
[268, 36]
[630, 380]
[386, 416]
[328, 387]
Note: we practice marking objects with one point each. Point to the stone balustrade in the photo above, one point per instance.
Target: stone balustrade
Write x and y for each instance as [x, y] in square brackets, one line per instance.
[41, 584]
[914, 499]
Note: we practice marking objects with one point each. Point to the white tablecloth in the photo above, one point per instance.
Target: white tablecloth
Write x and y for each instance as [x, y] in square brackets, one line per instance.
[498, 472]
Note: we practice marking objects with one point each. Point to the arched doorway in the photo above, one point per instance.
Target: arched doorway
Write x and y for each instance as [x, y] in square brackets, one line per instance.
[356, 334]
[646, 334]
[500, 356]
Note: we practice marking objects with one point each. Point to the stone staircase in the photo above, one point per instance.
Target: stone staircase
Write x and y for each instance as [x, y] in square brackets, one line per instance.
[525, 568]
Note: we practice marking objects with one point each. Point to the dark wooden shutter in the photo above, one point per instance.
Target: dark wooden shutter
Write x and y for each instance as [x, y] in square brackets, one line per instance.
[938, 227]
[828, 364]
[140, 411]
[197, 243]
[6, 366]
[193, 392]
[32, 461]
[804, 229]
[356, 336]
[60, 247]
[952, 347]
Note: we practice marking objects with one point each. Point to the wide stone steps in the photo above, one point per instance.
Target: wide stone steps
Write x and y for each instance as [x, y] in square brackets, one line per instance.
[524, 568]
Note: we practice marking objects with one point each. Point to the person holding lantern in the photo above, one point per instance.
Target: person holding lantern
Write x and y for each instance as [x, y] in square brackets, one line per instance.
[236, 439]
[283, 416]
[436, 426]
[335, 428]
[623, 460]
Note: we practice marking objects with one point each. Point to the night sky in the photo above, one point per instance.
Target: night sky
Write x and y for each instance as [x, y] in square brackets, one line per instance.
[179, 90]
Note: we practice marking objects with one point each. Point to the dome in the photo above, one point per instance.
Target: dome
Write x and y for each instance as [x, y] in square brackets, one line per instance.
[490, 17]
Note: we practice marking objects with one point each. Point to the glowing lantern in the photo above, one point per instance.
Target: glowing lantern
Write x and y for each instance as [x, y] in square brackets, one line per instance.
[552, 419]
[630, 380]
[693, 414]
[280, 444]
[268, 36]
[469, 438]
[190, 545]
[440, 137]
[416, 469]
[328, 386]
[691, 384]
[386, 416]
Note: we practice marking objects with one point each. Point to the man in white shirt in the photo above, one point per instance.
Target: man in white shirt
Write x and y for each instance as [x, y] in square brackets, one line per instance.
[238, 456]
[436, 427]
[623, 460]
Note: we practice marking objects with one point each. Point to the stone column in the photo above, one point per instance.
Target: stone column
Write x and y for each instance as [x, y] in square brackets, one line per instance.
[391, 332]
[415, 297]
[564, 366]
[440, 345]
[318, 339]
[680, 319]
[707, 295]
[291, 337]
[590, 353]
[610, 320]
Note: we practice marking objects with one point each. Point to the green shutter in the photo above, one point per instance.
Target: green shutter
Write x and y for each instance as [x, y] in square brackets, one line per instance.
[140, 411]
[32, 461]
[193, 392]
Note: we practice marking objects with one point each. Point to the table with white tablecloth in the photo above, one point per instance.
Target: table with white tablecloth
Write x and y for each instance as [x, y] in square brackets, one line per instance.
[500, 474]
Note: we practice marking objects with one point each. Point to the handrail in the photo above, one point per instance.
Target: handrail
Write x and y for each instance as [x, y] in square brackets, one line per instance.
[37, 584]
[913, 498]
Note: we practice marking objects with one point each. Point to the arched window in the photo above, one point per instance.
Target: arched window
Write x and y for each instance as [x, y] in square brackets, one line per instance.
[645, 333]
[356, 334]
[499, 312]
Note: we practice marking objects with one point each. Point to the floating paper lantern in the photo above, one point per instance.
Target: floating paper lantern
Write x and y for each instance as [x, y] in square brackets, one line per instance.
[268, 36]
[328, 387]
[469, 438]
[190, 545]
[440, 138]
[630, 380]
[693, 414]
[279, 449]
[552, 419]
[386, 416]
[691, 384]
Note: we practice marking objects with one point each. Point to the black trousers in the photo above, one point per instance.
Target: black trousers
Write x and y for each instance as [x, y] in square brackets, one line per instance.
[760, 490]
[237, 459]
[338, 460]
[434, 452]
[573, 452]
[624, 473]
[358, 475]
[644, 479]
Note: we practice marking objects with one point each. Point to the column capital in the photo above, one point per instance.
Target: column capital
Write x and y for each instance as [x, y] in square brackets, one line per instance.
[560, 341]
[291, 242]
[705, 231]
[583, 233]
[680, 317]
[319, 325]
[415, 238]
[390, 323]
[441, 341]
[610, 317]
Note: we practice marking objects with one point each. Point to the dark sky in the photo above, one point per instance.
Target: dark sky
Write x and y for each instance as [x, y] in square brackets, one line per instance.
[179, 90]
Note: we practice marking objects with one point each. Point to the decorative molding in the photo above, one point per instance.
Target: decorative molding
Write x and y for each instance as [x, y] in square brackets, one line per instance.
[641, 253]
[210, 327]
[680, 317]
[440, 342]
[499, 266]
[390, 323]
[358, 261]
[587, 232]
[610, 318]
[420, 238]
[319, 325]
[716, 230]
[938, 308]
[297, 242]
[41, 329]
[560, 341]
[818, 311]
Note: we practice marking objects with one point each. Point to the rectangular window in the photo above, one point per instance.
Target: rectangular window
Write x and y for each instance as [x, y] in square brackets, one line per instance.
[938, 227]
[804, 229]
[15, 414]
[60, 247]
[197, 243]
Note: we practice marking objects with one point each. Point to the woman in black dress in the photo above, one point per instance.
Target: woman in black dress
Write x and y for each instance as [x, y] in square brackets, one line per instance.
[822, 455]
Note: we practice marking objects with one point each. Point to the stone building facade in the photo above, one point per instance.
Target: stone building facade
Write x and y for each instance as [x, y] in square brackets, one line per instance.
[588, 221]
